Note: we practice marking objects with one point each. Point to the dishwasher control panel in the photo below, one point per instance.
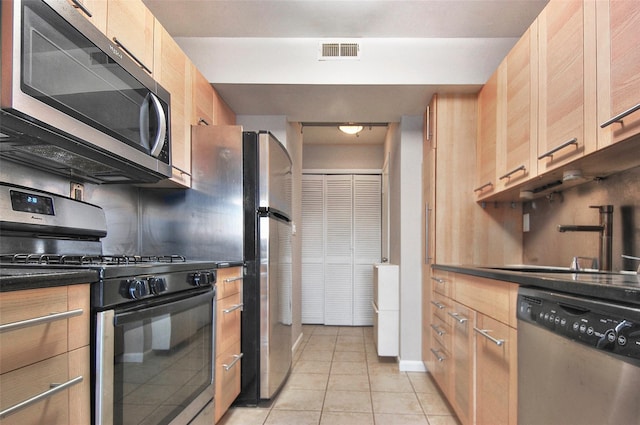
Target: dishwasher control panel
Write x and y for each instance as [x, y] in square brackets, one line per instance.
[599, 324]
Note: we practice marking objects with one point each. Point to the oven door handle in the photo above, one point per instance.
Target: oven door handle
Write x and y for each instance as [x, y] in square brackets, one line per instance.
[167, 305]
[104, 367]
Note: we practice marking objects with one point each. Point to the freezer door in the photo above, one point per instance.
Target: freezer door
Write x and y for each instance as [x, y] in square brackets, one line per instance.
[275, 304]
[275, 174]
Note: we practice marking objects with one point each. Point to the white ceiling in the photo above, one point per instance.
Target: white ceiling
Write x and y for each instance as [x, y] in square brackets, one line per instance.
[394, 20]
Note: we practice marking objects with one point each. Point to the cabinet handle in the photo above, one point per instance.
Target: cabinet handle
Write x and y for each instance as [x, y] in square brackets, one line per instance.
[437, 279]
[233, 279]
[515, 170]
[233, 308]
[573, 141]
[438, 330]
[438, 356]
[236, 357]
[40, 320]
[484, 333]
[481, 188]
[620, 116]
[203, 121]
[78, 5]
[458, 317]
[138, 61]
[55, 388]
[437, 304]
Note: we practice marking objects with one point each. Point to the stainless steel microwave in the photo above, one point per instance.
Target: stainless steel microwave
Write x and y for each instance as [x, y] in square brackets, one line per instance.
[73, 103]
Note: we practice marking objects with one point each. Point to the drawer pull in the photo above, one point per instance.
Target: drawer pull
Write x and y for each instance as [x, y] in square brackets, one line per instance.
[438, 356]
[78, 5]
[515, 170]
[55, 388]
[484, 333]
[438, 279]
[437, 304]
[481, 188]
[233, 279]
[573, 141]
[236, 357]
[138, 61]
[620, 116]
[39, 320]
[233, 308]
[438, 330]
[458, 317]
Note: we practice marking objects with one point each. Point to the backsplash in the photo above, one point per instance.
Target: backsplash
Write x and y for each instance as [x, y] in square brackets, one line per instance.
[544, 245]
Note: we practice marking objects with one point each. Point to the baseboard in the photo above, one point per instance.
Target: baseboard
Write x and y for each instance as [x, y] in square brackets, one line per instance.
[412, 366]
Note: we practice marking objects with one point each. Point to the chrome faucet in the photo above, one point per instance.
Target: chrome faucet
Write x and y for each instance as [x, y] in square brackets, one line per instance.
[605, 228]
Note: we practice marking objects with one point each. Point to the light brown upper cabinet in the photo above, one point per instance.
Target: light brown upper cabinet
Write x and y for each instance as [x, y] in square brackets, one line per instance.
[130, 25]
[94, 10]
[202, 92]
[489, 105]
[174, 74]
[517, 150]
[618, 70]
[567, 82]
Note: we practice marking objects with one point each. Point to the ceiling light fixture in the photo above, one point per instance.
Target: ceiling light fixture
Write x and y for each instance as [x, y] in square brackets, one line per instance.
[350, 128]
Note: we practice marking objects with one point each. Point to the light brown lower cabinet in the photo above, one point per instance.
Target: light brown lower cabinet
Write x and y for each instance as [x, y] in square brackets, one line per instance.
[474, 352]
[44, 351]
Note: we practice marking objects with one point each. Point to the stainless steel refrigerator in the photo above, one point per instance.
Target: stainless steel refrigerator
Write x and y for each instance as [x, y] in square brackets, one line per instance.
[266, 317]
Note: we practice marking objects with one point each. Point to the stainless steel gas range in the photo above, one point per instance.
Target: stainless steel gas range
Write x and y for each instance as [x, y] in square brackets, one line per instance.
[153, 317]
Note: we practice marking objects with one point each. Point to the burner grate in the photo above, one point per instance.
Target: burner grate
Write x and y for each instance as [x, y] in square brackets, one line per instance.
[82, 259]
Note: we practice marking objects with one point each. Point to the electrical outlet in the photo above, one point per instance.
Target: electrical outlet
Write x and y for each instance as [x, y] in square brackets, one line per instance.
[525, 223]
[77, 191]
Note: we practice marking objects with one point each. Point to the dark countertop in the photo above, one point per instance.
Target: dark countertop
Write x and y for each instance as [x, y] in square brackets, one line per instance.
[16, 279]
[616, 287]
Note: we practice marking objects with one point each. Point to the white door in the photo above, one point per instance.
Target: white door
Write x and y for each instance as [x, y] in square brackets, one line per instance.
[312, 229]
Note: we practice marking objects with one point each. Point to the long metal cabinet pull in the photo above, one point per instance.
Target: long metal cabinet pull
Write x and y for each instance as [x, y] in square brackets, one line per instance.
[515, 170]
[438, 356]
[233, 308]
[40, 320]
[438, 330]
[437, 279]
[573, 141]
[459, 319]
[620, 116]
[437, 304]
[233, 279]
[484, 333]
[78, 5]
[478, 189]
[236, 357]
[55, 388]
[138, 61]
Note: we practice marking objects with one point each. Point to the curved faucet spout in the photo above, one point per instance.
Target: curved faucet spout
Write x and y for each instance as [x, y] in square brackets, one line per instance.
[577, 228]
[605, 228]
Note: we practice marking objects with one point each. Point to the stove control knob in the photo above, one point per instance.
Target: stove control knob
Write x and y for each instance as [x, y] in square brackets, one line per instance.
[137, 288]
[157, 285]
[196, 279]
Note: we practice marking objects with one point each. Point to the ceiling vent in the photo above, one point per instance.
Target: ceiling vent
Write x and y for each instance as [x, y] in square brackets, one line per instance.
[339, 51]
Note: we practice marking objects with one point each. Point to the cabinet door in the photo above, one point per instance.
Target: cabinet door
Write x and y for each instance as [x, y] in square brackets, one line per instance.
[567, 82]
[173, 72]
[130, 24]
[202, 93]
[94, 10]
[496, 351]
[618, 69]
[518, 149]
[488, 107]
[461, 394]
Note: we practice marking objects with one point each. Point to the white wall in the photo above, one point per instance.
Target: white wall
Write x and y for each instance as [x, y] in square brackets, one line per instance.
[341, 157]
[405, 179]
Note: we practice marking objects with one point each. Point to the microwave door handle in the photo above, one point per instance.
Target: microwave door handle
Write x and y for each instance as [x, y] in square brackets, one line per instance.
[162, 126]
[144, 122]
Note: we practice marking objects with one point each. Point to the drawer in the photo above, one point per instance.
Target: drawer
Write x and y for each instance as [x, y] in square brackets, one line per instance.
[440, 306]
[440, 365]
[487, 296]
[227, 379]
[30, 344]
[441, 331]
[229, 281]
[27, 382]
[228, 322]
[442, 282]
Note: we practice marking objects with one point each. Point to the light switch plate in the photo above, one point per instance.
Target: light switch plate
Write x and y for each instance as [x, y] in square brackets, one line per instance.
[525, 222]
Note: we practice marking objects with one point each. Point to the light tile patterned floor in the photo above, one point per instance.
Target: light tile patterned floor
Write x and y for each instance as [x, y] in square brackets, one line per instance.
[337, 378]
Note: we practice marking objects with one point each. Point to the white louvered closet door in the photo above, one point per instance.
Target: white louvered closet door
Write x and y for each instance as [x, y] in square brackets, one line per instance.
[312, 249]
[367, 224]
[338, 242]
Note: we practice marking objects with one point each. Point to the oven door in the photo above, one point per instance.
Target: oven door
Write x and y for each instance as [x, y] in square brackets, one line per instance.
[154, 363]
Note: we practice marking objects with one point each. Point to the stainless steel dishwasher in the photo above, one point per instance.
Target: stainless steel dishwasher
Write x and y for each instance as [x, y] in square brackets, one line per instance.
[578, 360]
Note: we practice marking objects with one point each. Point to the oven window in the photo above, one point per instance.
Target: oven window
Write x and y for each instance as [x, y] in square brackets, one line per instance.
[161, 364]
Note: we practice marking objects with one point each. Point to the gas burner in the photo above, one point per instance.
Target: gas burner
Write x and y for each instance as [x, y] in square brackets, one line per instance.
[83, 259]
